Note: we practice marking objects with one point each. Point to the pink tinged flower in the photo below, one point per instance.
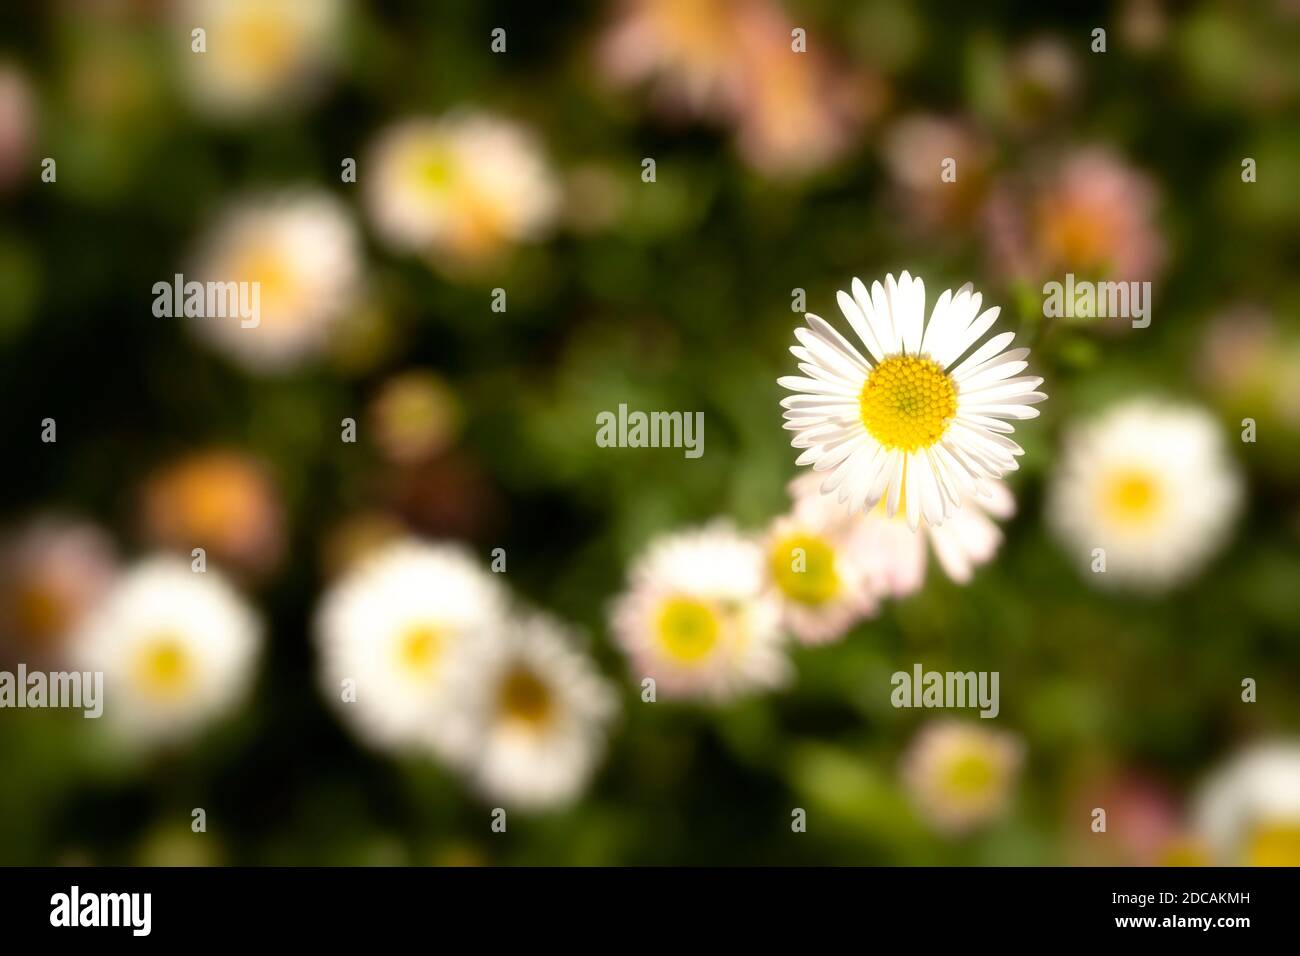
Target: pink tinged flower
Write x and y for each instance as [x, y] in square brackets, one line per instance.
[961, 775]
[52, 572]
[1093, 215]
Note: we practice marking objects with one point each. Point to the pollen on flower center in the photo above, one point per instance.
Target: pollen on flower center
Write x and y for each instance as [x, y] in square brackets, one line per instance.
[164, 667]
[907, 402]
[1131, 497]
[1275, 844]
[688, 629]
[418, 648]
[524, 698]
[969, 775]
[803, 567]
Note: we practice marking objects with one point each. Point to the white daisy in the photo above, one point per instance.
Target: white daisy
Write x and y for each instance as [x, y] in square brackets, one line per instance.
[530, 715]
[389, 634]
[1152, 486]
[918, 422]
[822, 587]
[892, 556]
[258, 54]
[303, 252]
[961, 774]
[698, 619]
[1248, 811]
[460, 187]
[176, 647]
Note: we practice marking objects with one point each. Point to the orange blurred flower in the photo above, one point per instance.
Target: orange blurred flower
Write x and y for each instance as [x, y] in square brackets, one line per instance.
[1093, 215]
[221, 501]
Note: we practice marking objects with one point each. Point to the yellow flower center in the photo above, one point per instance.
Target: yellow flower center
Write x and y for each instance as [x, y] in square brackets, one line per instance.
[164, 668]
[265, 41]
[278, 289]
[1274, 844]
[525, 698]
[1131, 497]
[1183, 852]
[1074, 234]
[418, 649]
[907, 402]
[435, 169]
[803, 566]
[970, 775]
[688, 629]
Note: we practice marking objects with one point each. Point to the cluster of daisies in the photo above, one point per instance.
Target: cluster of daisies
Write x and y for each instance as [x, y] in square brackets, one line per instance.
[422, 650]
[907, 436]
[907, 431]
[458, 191]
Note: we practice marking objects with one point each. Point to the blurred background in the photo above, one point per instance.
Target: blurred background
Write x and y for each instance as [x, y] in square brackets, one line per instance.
[775, 171]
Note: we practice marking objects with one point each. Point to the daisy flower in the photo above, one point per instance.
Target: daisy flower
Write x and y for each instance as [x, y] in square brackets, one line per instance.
[259, 54]
[919, 422]
[961, 774]
[1092, 214]
[219, 500]
[822, 586]
[893, 557]
[1150, 484]
[389, 633]
[684, 49]
[1249, 810]
[730, 61]
[53, 570]
[697, 617]
[530, 716]
[460, 188]
[176, 647]
[303, 252]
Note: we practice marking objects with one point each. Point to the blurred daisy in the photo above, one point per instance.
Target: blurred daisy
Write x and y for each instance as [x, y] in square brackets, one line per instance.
[1094, 215]
[303, 252]
[259, 54]
[921, 423]
[1249, 810]
[389, 632]
[52, 571]
[414, 416]
[685, 49]
[697, 617]
[822, 587]
[800, 112]
[1144, 825]
[530, 715]
[961, 774]
[460, 188]
[177, 649]
[732, 61]
[1150, 484]
[221, 501]
[914, 150]
[894, 555]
